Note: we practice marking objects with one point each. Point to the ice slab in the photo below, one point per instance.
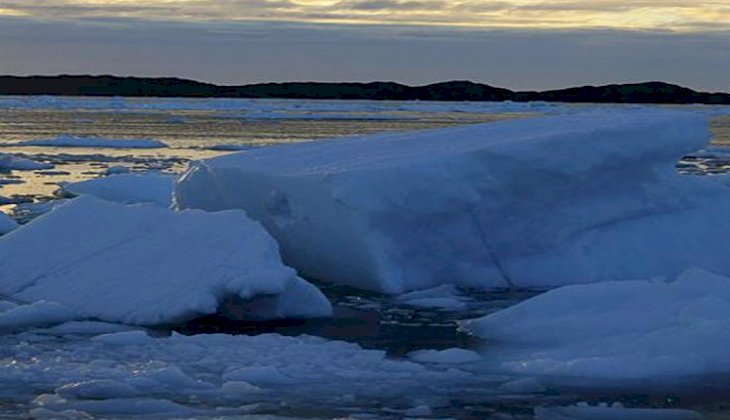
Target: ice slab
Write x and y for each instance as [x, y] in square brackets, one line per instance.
[621, 331]
[529, 203]
[7, 223]
[9, 162]
[147, 265]
[126, 188]
[96, 142]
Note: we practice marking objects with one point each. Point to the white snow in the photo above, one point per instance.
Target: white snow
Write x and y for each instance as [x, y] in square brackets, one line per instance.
[7, 223]
[537, 202]
[95, 142]
[126, 188]
[624, 331]
[147, 265]
[9, 162]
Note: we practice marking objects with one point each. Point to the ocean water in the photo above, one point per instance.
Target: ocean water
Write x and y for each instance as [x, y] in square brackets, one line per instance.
[195, 129]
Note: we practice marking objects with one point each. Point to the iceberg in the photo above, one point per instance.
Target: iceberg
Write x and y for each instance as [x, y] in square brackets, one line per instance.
[146, 265]
[126, 188]
[628, 331]
[95, 142]
[531, 203]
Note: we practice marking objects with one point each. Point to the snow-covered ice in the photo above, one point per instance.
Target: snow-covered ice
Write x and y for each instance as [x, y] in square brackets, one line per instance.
[7, 223]
[148, 265]
[538, 202]
[9, 162]
[623, 331]
[126, 188]
[94, 142]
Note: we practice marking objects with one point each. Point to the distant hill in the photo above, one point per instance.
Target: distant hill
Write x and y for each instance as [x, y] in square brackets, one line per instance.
[84, 85]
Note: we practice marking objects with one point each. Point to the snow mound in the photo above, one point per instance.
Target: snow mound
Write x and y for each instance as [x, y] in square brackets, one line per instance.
[101, 142]
[7, 223]
[9, 162]
[528, 203]
[618, 330]
[153, 188]
[147, 265]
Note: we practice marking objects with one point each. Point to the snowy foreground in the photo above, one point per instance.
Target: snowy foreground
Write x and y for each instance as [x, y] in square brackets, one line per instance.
[588, 204]
[542, 202]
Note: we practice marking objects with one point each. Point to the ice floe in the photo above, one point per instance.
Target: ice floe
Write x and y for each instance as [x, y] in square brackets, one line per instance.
[93, 142]
[622, 331]
[147, 265]
[131, 372]
[9, 162]
[7, 223]
[148, 187]
[538, 202]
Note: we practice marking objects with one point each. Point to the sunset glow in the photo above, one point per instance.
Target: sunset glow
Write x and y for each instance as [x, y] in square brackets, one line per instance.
[614, 14]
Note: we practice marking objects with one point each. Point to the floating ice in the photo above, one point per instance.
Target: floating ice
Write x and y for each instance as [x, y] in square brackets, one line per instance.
[449, 356]
[179, 374]
[528, 203]
[625, 330]
[94, 142]
[147, 265]
[126, 188]
[613, 412]
[7, 223]
[10, 162]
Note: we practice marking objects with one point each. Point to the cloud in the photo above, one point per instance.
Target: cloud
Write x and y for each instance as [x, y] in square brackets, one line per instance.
[639, 14]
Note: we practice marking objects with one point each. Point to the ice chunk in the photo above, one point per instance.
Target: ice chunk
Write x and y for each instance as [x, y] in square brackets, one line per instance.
[446, 297]
[36, 314]
[618, 330]
[614, 412]
[147, 265]
[449, 356]
[126, 188]
[532, 202]
[7, 223]
[95, 142]
[10, 162]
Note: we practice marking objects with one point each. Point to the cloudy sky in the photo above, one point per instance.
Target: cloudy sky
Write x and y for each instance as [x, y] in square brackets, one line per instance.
[520, 44]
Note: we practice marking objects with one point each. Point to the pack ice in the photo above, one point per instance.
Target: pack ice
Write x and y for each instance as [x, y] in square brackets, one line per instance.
[528, 203]
[147, 265]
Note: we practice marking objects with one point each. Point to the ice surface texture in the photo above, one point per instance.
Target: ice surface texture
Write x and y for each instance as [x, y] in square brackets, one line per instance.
[147, 265]
[126, 188]
[529, 203]
[625, 330]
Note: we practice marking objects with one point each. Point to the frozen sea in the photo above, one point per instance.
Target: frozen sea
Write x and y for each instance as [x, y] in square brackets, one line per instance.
[177, 131]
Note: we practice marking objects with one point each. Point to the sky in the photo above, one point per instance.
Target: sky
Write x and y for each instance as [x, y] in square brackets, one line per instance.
[517, 44]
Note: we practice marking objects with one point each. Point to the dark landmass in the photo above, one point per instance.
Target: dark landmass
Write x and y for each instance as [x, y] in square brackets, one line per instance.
[72, 85]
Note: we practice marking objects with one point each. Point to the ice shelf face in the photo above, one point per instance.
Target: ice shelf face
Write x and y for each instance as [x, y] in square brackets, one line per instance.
[148, 265]
[530, 203]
